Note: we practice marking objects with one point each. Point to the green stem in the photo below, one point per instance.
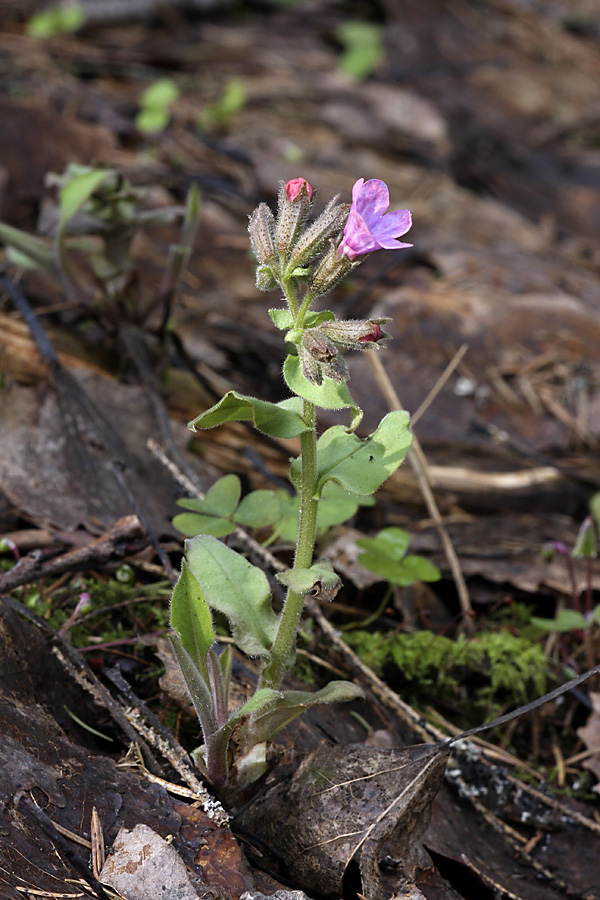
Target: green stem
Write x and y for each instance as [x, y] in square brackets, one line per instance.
[291, 295]
[308, 299]
[284, 645]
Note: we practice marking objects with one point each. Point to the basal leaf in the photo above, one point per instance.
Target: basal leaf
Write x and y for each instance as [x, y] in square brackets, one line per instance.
[199, 688]
[191, 619]
[236, 588]
[264, 725]
[328, 395]
[274, 419]
[30, 249]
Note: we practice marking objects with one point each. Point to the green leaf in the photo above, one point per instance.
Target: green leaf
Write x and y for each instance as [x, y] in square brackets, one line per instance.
[328, 395]
[422, 569]
[192, 524]
[391, 541]
[594, 508]
[566, 620]
[33, 252]
[337, 506]
[596, 615]
[191, 619]
[152, 119]
[197, 686]
[258, 509]
[162, 92]
[78, 190]
[223, 496]
[319, 579]
[360, 465]
[585, 545]
[363, 48]
[289, 704]
[237, 589]
[56, 20]
[282, 318]
[275, 419]
[391, 570]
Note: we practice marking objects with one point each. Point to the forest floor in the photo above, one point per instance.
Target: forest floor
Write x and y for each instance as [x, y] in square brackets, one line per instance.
[483, 118]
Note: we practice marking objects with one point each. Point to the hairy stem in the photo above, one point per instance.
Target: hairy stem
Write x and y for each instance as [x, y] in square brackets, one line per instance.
[284, 644]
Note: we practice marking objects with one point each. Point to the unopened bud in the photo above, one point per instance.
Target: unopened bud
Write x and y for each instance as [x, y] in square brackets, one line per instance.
[314, 240]
[319, 356]
[265, 279]
[262, 234]
[292, 214]
[294, 187]
[355, 334]
[329, 271]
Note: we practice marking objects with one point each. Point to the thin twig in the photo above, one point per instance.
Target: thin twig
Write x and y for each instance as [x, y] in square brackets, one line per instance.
[113, 544]
[417, 459]
[422, 409]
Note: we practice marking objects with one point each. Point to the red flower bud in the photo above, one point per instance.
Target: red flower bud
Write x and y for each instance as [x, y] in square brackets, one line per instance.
[374, 336]
[294, 187]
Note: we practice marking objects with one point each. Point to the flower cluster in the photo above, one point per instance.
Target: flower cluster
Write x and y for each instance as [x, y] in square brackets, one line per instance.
[291, 252]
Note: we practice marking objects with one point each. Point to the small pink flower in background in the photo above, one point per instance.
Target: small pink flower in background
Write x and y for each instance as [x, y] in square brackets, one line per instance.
[369, 226]
[294, 187]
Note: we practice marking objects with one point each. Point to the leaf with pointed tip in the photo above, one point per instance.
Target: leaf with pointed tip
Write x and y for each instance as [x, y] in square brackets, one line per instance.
[236, 588]
[191, 619]
[199, 688]
[275, 419]
[78, 190]
[27, 251]
[328, 395]
[263, 726]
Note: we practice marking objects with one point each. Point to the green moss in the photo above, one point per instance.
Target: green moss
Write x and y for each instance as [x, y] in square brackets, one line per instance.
[497, 668]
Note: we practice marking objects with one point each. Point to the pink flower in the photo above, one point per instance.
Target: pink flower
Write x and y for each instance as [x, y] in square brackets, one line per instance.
[294, 187]
[373, 336]
[369, 227]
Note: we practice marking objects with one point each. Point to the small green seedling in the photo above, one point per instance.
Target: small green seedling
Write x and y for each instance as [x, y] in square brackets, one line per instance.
[222, 510]
[155, 106]
[219, 114]
[579, 617]
[363, 48]
[63, 19]
[98, 215]
[386, 555]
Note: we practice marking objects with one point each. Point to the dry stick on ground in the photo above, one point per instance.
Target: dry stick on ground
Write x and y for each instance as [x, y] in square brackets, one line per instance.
[113, 544]
[416, 457]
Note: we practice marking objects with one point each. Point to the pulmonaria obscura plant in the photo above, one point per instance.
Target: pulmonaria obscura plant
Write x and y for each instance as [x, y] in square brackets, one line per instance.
[304, 260]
